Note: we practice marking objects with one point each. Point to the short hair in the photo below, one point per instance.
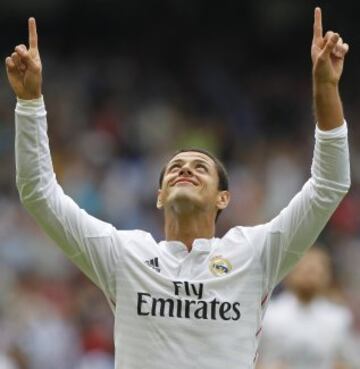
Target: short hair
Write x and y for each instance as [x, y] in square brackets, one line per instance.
[223, 176]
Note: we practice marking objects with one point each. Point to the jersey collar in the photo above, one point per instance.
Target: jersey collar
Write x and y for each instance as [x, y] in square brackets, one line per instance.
[178, 248]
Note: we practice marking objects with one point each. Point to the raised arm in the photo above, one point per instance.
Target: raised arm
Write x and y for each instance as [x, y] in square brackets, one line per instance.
[87, 241]
[295, 229]
[327, 53]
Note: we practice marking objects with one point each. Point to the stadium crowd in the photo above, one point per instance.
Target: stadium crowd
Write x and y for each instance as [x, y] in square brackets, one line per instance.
[113, 121]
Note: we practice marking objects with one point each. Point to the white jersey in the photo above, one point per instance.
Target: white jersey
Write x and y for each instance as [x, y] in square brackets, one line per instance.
[174, 308]
[308, 336]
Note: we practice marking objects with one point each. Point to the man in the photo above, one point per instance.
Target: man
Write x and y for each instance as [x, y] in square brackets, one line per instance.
[303, 328]
[193, 300]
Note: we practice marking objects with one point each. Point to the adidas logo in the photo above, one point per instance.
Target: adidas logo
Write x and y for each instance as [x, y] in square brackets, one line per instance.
[153, 263]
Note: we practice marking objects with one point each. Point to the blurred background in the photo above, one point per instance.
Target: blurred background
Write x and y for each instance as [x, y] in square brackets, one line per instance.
[125, 84]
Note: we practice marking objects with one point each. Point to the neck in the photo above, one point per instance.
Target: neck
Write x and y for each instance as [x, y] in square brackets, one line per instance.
[188, 227]
[305, 297]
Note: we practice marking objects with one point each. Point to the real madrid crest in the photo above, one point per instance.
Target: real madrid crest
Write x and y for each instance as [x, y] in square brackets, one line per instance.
[219, 266]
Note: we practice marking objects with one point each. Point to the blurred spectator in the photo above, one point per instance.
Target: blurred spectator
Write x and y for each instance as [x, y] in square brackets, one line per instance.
[303, 328]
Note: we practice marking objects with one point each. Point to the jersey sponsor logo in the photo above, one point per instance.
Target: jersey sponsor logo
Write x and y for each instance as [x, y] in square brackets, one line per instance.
[153, 263]
[188, 303]
[219, 266]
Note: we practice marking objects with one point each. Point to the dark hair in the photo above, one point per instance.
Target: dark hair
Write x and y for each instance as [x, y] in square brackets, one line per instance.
[220, 169]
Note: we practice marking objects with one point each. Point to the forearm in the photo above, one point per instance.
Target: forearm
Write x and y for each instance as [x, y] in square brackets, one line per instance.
[327, 105]
[58, 215]
[33, 162]
[331, 164]
[296, 228]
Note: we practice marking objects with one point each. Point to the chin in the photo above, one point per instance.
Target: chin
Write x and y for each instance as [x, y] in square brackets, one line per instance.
[184, 199]
[186, 191]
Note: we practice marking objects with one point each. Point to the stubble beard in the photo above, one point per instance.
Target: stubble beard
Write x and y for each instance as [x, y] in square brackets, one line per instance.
[184, 201]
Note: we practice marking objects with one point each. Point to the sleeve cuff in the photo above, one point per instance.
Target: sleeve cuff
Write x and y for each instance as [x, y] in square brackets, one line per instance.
[34, 103]
[29, 107]
[337, 132]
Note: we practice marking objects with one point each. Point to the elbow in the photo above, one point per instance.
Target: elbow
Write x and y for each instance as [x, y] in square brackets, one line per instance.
[26, 195]
[347, 187]
[347, 184]
[329, 195]
[34, 192]
[29, 191]
[21, 189]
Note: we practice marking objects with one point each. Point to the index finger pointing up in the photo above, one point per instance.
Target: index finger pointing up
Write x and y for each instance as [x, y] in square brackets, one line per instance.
[33, 38]
[318, 31]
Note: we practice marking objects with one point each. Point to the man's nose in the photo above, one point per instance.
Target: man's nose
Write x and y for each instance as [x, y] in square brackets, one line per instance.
[185, 171]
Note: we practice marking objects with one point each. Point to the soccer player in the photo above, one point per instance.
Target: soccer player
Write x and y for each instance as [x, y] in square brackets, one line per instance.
[192, 300]
[303, 328]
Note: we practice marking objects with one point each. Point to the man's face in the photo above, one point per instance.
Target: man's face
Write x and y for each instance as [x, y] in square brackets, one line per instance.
[312, 275]
[191, 182]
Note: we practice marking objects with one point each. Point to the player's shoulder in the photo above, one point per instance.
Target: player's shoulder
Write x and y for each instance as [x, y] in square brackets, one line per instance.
[135, 242]
[335, 310]
[251, 234]
[135, 235]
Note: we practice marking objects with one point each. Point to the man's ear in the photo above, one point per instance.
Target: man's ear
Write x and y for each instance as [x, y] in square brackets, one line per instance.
[159, 203]
[223, 199]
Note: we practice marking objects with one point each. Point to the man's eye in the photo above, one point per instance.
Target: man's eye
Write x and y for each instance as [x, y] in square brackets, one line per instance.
[175, 166]
[201, 166]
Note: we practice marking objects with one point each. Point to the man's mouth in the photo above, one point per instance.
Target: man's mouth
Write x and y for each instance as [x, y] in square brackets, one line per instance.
[184, 181]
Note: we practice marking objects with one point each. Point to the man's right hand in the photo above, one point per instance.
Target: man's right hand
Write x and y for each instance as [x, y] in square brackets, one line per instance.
[24, 67]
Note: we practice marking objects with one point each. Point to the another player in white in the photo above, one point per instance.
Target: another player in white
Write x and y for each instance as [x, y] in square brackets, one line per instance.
[193, 300]
[303, 328]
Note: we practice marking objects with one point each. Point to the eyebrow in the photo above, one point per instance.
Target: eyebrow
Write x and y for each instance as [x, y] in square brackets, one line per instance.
[178, 161]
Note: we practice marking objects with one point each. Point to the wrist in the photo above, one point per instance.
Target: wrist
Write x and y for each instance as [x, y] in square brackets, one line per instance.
[26, 107]
[28, 97]
[327, 106]
[325, 87]
[325, 79]
[30, 101]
